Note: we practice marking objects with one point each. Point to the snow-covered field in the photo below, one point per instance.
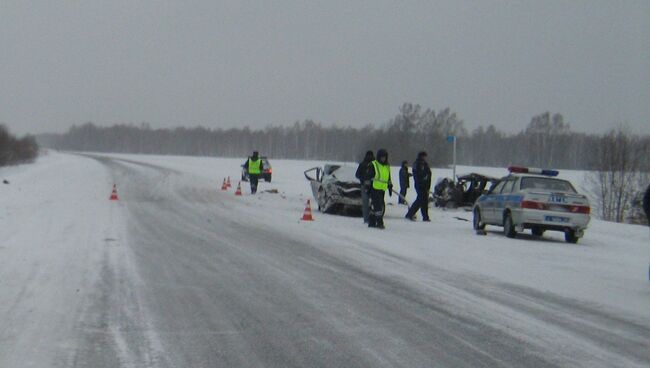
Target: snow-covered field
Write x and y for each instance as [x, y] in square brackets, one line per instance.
[57, 228]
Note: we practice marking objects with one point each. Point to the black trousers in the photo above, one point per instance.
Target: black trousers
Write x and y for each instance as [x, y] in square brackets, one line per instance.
[402, 192]
[254, 179]
[421, 203]
[377, 205]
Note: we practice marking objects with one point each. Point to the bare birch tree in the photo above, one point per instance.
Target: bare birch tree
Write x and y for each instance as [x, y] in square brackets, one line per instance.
[619, 174]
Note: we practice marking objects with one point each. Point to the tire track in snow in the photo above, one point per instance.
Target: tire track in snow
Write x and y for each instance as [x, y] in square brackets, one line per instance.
[115, 329]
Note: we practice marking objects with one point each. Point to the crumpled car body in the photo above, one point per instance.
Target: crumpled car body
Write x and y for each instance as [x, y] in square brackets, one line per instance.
[335, 189]
[464, 192]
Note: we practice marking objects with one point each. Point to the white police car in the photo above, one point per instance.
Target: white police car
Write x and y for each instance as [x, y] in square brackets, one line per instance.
[533, 199]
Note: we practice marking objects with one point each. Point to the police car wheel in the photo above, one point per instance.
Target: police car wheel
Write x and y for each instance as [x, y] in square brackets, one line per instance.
[478, 225]
[571, 237]
[508, 227]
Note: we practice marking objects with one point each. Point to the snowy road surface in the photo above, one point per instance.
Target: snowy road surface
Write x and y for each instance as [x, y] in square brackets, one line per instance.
[180, 274]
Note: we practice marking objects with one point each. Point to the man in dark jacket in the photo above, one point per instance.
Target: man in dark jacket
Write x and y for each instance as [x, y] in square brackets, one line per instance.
[362, 174]
[254, 168]
[379, 175]
[646, 204]
[404, 184]
[422, 181]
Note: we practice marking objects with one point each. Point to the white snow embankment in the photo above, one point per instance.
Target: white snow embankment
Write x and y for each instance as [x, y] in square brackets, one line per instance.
[56, 224]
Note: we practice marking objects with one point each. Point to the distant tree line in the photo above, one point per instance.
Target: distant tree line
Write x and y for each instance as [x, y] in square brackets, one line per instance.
[16, 150]
[617, 160]
[547, 141]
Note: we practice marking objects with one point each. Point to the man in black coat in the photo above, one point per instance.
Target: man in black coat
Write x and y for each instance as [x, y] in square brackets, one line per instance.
[646, 204]
[422, 181]
[362, 175]
[404, 184]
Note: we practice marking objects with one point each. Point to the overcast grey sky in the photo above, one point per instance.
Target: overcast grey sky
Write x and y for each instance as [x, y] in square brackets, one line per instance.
[235, 63]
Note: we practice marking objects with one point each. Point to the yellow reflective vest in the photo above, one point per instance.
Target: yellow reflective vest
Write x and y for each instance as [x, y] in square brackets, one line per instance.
[254, 166]
[382, 176]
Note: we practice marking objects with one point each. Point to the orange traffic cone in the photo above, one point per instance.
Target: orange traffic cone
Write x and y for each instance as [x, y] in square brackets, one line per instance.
[114, 194]
[224, 186]
[228, 183]
[238, 192]
[306, 215]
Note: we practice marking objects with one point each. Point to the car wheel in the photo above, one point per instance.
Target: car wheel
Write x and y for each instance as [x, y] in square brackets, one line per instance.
[478, 225]
[508, 226]
[570, 236]
[537, 231]
[268, 178]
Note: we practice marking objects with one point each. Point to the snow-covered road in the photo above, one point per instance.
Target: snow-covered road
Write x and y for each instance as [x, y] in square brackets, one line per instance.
[180, 274]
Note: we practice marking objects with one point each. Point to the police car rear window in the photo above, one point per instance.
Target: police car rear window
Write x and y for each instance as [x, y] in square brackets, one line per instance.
[548, 184]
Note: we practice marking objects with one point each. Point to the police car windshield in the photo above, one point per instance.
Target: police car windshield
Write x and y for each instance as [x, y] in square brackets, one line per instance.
[547, 184]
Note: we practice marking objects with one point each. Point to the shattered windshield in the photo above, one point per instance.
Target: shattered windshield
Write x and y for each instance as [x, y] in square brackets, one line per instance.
[345, 173]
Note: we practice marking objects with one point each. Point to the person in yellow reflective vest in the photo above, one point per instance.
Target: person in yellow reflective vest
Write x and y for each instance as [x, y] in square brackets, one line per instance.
[379, 174]
[254, 168]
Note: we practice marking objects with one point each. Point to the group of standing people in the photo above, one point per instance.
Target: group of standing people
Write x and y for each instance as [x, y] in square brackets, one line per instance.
[374, 174]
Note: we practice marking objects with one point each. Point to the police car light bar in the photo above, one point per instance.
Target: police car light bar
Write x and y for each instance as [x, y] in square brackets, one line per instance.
[526, 170]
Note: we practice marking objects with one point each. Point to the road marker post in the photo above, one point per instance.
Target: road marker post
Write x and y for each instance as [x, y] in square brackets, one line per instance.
[452, 139]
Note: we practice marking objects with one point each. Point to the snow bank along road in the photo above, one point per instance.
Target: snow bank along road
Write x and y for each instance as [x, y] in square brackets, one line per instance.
[180, 274]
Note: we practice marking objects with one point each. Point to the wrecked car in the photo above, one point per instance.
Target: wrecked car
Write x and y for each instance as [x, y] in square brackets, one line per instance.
[335, 189]
[464, 192]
